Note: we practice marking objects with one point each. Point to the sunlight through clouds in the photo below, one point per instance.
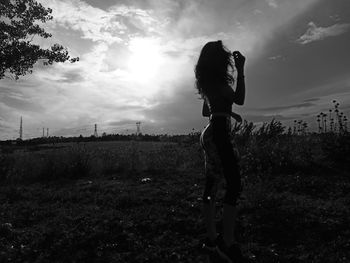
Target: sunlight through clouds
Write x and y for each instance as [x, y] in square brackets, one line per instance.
[145, 59]
[137, 60]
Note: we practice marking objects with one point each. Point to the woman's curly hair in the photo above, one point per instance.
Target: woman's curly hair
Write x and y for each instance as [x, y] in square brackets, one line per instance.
[214, 67]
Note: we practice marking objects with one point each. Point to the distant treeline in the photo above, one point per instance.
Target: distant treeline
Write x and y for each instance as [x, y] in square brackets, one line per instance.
[105, 137]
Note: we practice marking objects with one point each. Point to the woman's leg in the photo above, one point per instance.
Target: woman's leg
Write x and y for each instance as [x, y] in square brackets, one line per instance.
[231, 172]
[209, 218]
[210, 188]
[229, 223]
[209, 207]
[233, 189]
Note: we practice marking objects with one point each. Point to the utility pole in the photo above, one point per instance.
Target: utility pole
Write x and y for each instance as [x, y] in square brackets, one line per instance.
[21, 130]
[138, 128]
[47, 132]
[95, 133]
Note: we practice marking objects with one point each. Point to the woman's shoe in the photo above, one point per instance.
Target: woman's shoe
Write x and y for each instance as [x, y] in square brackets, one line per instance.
[231, 254]
[208, 245]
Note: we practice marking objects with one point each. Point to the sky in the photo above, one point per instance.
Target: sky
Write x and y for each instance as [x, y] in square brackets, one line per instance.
[137, 62]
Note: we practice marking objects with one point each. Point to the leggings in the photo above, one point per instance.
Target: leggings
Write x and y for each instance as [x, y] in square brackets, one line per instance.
[221, 160]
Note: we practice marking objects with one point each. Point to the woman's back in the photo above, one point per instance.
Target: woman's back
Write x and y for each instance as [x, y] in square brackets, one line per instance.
[221, 100]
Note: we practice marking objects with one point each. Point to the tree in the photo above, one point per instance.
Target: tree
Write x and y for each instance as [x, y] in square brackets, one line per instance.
[18, 27]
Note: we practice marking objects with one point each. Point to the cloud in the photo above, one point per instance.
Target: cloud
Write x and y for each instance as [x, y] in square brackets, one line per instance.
[314, 33]
[277, 57]
[4, 127]
[312, 100]
[265, 118]
[272, 3]
[283, 113]
[21, 104]
[258, 12]
[94, 23]
[177, 114]
[104, 87]
[71, 77]
[115, 25]
[287, 107]
[123, 122]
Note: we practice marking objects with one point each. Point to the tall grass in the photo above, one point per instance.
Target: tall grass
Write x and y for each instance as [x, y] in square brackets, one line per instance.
[97, 159]
[267, 150]
[294, 206]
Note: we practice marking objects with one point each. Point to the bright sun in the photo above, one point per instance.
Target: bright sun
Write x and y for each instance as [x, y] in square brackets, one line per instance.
[145, 59]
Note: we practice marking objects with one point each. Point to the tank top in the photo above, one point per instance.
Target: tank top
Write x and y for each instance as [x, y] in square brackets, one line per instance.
[220, 101]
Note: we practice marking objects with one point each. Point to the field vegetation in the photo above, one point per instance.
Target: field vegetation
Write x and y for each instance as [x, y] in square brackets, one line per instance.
[140, 201]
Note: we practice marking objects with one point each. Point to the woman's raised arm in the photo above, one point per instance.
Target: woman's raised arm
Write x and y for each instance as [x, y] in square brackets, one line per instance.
[240, 87]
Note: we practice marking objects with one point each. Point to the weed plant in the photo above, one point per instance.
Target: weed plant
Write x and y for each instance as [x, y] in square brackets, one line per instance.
[136, 201]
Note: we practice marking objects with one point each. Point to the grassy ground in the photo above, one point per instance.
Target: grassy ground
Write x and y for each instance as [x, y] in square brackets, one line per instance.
[141, 202]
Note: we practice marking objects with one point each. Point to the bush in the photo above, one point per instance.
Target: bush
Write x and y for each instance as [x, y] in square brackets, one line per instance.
[336, 148]
[6, 164]
[70, 163]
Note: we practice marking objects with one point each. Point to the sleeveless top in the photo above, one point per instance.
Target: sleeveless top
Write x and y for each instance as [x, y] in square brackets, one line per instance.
[220, 101]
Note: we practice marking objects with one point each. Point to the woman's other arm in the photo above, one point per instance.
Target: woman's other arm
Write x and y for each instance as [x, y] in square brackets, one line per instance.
[236, 116]
[240, 87]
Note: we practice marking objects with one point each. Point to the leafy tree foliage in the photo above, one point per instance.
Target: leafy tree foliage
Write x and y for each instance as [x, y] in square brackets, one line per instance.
[18, 27]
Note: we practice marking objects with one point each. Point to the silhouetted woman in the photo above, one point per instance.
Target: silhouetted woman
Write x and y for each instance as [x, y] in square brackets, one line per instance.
[214, 81]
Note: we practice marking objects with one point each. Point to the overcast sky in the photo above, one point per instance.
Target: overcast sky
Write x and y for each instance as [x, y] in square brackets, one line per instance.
[137, 59]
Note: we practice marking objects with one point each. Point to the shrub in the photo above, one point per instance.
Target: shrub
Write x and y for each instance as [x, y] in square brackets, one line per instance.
[336, 148]
[70, 163]
[6, 164]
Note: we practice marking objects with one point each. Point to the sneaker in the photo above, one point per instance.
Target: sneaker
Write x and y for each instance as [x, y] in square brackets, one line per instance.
[231, 254]
[208, 245]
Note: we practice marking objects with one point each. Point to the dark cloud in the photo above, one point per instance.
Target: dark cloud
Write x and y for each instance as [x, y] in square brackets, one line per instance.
[179, 114]
[304, 67]
[346, 107]
[312, 100]
[71, 77]
[67, 77]
[105, 4]
[286, 107]
[4, 126]
[133, 25]
[207, 17]
[122, 122]
[5, 90]
[21, 104]
[264, 118]
[122, 108]
[306, 114]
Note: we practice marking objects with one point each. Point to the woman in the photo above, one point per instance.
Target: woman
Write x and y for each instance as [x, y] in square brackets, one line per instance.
[214, 81]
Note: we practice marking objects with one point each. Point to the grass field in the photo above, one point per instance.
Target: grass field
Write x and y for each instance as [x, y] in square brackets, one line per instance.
[141, 201]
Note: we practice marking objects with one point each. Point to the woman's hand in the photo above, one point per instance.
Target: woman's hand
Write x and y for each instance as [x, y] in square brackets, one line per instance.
[236, 116]
[239, 60]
